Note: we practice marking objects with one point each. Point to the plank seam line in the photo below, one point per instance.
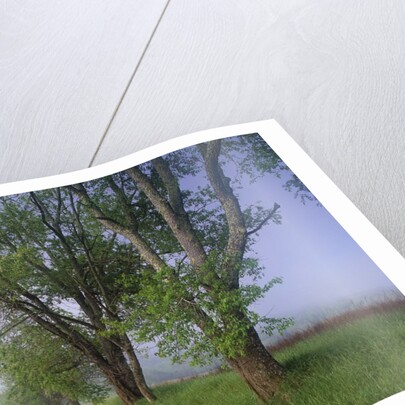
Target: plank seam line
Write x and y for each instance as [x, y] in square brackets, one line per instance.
[128, 84]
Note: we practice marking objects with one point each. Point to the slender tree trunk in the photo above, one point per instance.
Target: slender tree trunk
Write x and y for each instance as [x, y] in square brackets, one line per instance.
[140, 379]
[137, 371]
[258, 368]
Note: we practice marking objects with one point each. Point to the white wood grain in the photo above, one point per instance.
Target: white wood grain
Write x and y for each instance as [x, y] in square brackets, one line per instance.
[330, 72]
[63, 68]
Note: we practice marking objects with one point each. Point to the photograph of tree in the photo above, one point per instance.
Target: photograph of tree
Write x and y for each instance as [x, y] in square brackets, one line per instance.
[209, 275]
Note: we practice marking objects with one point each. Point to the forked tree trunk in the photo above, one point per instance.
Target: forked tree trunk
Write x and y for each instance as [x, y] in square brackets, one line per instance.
[258, 368]
[120, 374]
[127, 392]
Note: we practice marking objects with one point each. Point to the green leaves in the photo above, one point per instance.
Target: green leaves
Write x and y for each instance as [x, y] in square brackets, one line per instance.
[164, 253]
[40, 364]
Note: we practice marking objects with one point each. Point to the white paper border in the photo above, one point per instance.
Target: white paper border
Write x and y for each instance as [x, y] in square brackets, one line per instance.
[385, 256]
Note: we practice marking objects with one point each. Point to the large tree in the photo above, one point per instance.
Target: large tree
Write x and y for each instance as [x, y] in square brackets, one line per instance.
[60, 269]
[182, 214]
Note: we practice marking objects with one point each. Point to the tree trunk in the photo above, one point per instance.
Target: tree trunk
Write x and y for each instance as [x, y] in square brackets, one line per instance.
[111, 362]
[258, 368]
[126, 391]
[137, 370]
[120, 374]
[140, 380]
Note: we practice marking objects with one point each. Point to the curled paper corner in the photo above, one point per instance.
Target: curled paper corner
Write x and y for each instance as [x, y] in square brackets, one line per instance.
[396, 399]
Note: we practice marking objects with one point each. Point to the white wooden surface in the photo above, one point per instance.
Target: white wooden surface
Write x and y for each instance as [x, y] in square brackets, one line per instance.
[63, 68]
[330, 72]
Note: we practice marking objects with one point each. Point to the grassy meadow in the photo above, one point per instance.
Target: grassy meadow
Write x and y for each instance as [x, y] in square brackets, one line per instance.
[360, 362]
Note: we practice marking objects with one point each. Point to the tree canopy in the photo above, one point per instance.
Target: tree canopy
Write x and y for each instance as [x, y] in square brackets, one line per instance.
[61, 269]
[161, 252]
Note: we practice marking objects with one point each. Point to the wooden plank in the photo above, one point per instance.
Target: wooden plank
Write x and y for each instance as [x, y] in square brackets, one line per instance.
[330, 72]
[63, 68]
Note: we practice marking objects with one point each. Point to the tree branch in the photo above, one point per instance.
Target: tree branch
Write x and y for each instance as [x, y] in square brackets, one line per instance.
[265, 220]
[236, 225]
[171, 184]
[133, 236]
[177, 221]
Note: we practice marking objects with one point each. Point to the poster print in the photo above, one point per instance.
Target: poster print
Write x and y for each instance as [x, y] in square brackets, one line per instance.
[212, 273]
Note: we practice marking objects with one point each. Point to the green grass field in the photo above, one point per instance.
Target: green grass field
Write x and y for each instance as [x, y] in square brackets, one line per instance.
[359, 363]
